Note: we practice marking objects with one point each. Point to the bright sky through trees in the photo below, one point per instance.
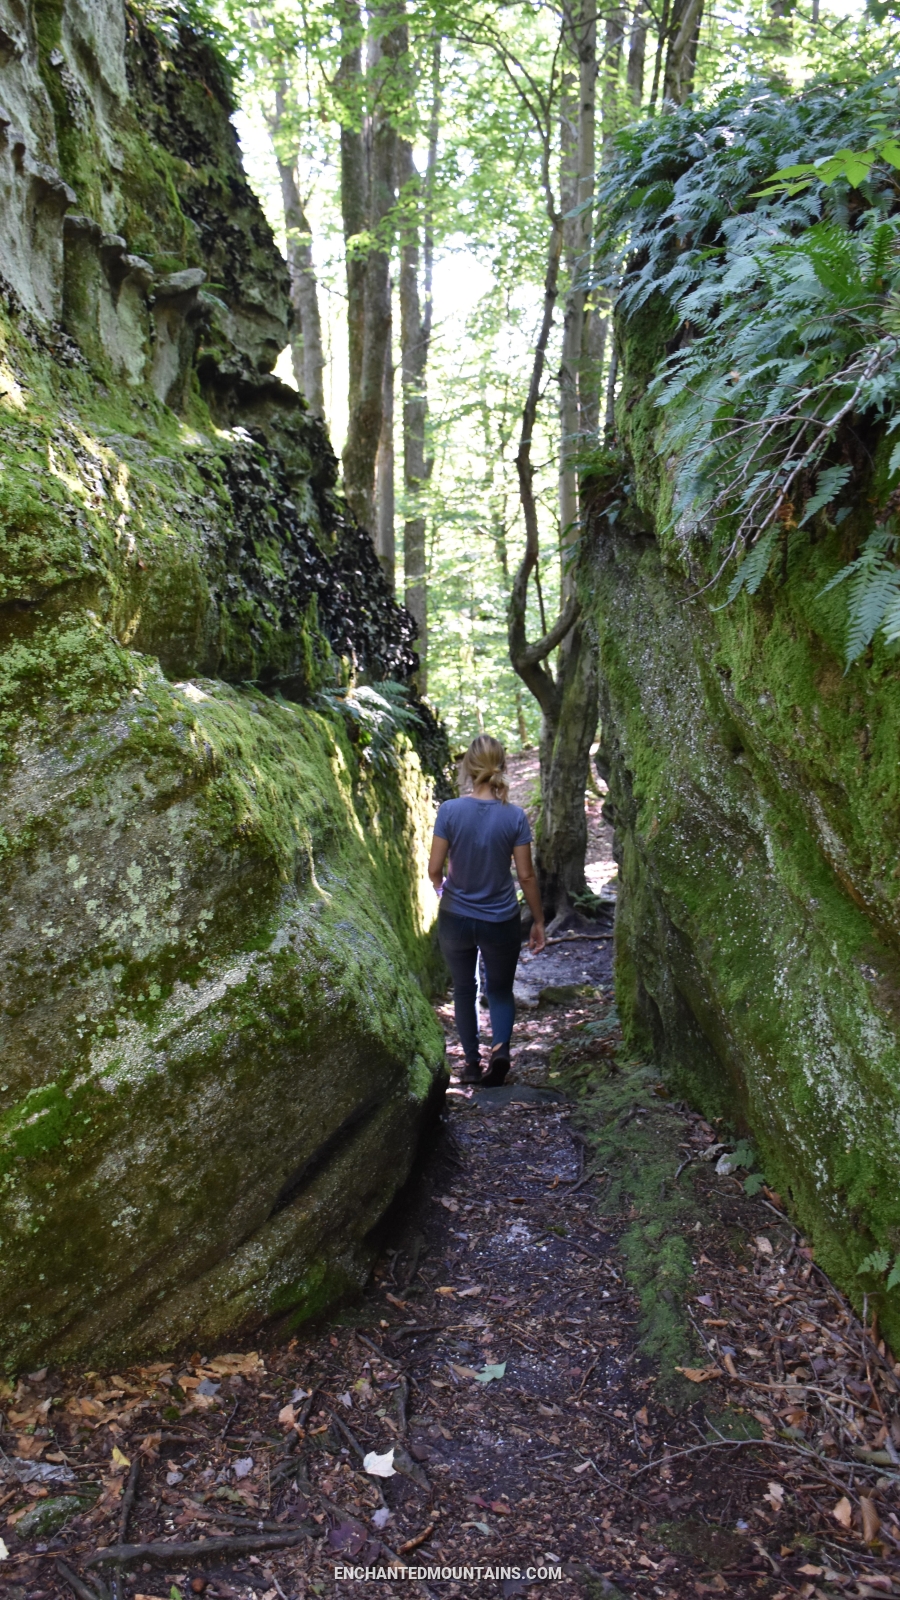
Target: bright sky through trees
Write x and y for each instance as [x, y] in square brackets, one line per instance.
[486, 297]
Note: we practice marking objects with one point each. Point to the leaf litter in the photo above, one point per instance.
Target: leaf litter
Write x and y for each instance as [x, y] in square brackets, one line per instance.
[500, 1372]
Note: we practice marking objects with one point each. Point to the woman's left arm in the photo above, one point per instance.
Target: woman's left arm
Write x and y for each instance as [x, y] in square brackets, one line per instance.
[439, 848]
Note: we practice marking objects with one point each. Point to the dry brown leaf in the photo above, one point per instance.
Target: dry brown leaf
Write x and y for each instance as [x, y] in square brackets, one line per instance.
[764, 1245]
[729, 1365]
[246, 1365]
[445, 1288]
[699, 1374]
[28, 1448]
[871, 1521]
[843, 1512]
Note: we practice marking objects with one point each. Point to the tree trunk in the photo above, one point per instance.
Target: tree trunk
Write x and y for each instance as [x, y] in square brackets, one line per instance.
[384, 473]
[307, 356]
[354, 184]
[637, 50]
[612, 61]
[415, 337]
[682, 53]
[661, 38]
[565, 748]
[364, 428]
[573, 326]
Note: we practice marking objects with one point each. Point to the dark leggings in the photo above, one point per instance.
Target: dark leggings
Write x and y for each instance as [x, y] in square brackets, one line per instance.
[460, 940]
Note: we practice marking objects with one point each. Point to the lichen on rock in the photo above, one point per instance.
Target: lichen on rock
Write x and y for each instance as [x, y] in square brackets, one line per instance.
[215, 954]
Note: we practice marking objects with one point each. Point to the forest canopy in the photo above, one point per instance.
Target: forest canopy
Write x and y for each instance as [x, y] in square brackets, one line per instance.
[412, 161]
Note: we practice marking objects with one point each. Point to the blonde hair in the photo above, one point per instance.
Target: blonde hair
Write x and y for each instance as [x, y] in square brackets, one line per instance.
[485, 762]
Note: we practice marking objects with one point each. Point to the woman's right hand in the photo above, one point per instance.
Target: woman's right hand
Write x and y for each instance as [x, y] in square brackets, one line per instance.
[537, 938]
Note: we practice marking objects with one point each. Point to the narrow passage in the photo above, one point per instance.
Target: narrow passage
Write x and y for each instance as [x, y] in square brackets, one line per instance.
[593, 1355]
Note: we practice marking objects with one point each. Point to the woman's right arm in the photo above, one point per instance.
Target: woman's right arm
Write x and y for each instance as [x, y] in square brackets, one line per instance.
[439, 848]
[529, 885]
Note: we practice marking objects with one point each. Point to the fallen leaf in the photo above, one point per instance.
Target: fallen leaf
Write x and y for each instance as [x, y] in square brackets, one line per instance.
[381, 1517]
[729, 1365]
[246, 1365]
[118, 1459]
[699, 1374]
[808, 1571]
[400, 1304]
[28, 1448]
[243, 1467]
[482, 1527]
[380, 1466]
[465, 1294]
[775, 1496]
[843, 1512]
[490, 1372]
[764, 1245]
[287, 1415]
[4, 1553]
[445, 1288]
[583, 1467]
[464, 1372]
[641, 1417]
[871, 1521]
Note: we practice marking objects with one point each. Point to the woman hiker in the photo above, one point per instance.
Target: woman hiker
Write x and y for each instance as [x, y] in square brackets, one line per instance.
[479, 910]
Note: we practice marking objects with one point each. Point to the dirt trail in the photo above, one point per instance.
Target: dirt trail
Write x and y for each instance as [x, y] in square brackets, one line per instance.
[565, 1247]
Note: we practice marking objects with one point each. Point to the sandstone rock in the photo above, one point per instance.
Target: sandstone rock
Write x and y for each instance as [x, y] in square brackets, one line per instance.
[215, 957]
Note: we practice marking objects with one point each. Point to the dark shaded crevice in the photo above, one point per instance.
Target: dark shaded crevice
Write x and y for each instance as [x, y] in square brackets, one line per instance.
[309, 1169]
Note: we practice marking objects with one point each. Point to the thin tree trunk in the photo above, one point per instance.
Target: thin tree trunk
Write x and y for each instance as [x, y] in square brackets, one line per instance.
[364, 429]
[681, 56]
[573, 325]
[354, 184]
[384, 473]
[661, 38]
[307, 355]
[637, 50]
[415, 336]
[612, 60]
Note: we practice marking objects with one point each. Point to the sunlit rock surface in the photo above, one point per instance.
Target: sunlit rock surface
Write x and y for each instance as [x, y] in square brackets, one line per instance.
[216, 1043]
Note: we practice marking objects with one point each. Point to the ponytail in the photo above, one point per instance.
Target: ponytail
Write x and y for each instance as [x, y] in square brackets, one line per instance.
[485, 762]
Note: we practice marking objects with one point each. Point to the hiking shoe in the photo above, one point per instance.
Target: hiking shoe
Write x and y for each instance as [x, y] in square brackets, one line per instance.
[498, 1068]
[471, 1073]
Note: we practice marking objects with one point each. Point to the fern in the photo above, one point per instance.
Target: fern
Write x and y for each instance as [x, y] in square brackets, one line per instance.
[785, 312]
[878, 1261]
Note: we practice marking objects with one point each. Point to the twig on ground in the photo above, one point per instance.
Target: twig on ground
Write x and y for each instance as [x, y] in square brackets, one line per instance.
[196, 1551]
[402, 1403]
[234, 1412]
[77, 1585]
[419, 1538]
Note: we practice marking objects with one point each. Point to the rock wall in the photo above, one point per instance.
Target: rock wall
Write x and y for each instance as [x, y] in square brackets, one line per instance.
[216, 1044]
[755, 797]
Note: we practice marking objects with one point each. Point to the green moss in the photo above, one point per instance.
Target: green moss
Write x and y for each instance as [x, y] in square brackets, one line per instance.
[634, 1140]
[755, 791]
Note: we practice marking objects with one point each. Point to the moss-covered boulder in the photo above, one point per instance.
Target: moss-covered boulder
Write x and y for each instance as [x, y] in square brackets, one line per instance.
[754, 790]
[216, 1044]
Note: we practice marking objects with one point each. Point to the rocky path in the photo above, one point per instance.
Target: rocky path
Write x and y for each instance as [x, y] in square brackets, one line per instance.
[595, 1364]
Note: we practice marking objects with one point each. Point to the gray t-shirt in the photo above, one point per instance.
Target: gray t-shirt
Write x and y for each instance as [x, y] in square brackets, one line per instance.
[481, 835]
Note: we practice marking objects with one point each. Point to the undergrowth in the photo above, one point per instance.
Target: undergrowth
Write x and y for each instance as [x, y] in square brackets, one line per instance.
[780, 388]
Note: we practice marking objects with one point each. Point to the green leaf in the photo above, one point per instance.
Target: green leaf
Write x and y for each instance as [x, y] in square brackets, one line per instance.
[490, 1372]
[878, 1261]
[828, 484]
[894, 1277]
[754, 1183]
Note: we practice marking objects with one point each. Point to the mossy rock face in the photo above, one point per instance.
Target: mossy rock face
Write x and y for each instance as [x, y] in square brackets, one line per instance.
[754, 790]
[217, 1050]
[216, 1043]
